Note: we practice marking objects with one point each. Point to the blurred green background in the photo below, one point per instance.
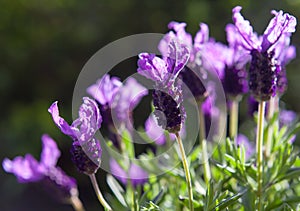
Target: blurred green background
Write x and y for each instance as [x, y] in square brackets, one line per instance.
[44, 45]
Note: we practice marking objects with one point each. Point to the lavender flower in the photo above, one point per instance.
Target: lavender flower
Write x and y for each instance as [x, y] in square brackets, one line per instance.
[192, 77]
[27, 169]
[167, 97]
[124, 102]
[264, 68]
[86, 150]
[229, 62]
[135, 173]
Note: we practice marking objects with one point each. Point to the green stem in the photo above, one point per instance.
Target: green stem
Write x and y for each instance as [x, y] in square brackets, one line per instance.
[98, 193]
[186, 170]
[203, 144]
[272, 109]
[76, 203]
[259, 148]
[233, 125]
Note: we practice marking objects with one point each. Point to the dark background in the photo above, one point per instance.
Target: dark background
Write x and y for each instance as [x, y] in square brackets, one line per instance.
[44, 45]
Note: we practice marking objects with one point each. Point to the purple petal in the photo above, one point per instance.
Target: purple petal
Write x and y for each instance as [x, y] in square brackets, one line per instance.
[164, 43]
[287, 117]
[89, 119]
[181, 34]
[178, 57]
[245, 29]
[242, 140]
[280, 24]
[154, 132]
[50, 153]
[126, 100]
[202, 35]
[138, 176]
[152, 67]
[105, 89]
[26, 169]
[117, 171]
[60, 122]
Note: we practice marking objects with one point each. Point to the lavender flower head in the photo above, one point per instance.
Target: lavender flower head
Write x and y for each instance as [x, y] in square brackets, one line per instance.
[85, 150]
[27, 169]
[265, 67]
[135, 173]
[192, 76]
[167, 94]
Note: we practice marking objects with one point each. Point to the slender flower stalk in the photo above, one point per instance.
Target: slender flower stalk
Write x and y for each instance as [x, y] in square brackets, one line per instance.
[259, 151]
[233, 125]
[76, 203]
[99, 194]
[272, 109]
[203, 144]
[186, 171]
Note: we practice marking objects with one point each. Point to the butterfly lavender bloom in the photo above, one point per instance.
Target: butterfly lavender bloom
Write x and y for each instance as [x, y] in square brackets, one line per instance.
[264, 68]
[85, 150]
[229, 62]
[192, 76]
[27, 169]
[167, 97]
[136, 174]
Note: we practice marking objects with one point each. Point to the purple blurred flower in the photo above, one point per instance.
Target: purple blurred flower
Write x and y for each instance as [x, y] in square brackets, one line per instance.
[27, 169]
[167, 97]
[124, 102]
[86, 150]
[242, 140]
[136, 174]
[287, 117]
[229, 62]
[265, 67]
[156, 133]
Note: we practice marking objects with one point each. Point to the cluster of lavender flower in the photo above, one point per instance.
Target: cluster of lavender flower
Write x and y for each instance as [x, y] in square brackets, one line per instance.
[184, 61]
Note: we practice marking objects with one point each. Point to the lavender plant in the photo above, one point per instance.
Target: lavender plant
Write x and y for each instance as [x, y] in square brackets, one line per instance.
[257, 168]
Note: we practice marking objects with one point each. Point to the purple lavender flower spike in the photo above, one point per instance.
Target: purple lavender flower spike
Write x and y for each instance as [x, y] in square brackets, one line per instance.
[265, 67]
[287, 117]
[242, 140]
[167, 98]
[27, 169]
[136, 174]
[86, 150]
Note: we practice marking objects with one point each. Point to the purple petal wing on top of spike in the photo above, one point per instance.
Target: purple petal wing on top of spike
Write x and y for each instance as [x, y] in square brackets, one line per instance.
[104, 89]
[50, 152]
[245, 29]
[26, 169]
[181, 34]
[279, 25]
[152, 67]
[202, 35]
[60, 122]
[89, 118]
[178, 57]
